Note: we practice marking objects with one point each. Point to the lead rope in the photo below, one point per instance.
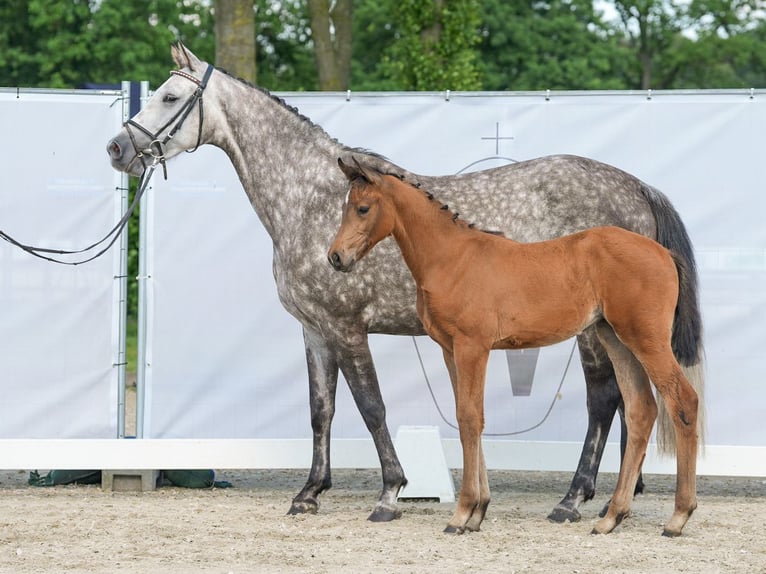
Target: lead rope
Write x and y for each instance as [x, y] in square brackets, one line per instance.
[115, 231]
[156, 150]
[512, 433]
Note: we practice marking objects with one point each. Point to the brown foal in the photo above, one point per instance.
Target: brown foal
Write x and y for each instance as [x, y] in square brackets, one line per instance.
[478, 291]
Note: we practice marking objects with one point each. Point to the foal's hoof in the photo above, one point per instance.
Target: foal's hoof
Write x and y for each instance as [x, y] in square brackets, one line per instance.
[670, 533]
[562, 514]
[454, 530]
[384, 514]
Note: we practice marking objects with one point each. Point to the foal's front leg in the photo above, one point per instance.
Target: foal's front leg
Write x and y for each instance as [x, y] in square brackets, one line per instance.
[470, 366]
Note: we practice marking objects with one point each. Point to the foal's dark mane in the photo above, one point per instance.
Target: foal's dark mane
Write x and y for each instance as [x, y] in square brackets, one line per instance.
[443, 206]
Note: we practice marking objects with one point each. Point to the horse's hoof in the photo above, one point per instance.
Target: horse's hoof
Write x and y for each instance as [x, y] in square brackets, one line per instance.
[383, 514]
[670, 533]
[561, 514]
[454, 530]
[604, 510]
[303, 507]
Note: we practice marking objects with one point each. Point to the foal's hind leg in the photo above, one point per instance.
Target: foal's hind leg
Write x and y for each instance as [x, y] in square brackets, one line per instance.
[682, 404]
[603, 400]
[640, 414]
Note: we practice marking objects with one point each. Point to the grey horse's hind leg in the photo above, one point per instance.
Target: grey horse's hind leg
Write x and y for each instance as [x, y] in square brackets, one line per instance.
[358, 369]
[323, 382]
[603, 399]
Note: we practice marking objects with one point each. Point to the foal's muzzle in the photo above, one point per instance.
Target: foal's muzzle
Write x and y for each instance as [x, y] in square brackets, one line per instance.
[336, 261]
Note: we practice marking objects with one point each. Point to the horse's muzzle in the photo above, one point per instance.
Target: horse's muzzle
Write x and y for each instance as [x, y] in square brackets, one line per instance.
[123, 156]
[337, 262]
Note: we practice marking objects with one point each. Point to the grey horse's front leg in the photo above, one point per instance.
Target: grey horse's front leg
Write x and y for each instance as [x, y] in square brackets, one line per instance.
[323, 382]
[358, 369]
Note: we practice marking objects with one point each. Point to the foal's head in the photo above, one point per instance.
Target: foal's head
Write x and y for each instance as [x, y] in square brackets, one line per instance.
[367, 216]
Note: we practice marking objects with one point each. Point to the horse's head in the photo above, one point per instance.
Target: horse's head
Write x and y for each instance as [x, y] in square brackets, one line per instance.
[366, 218]
[170, 122]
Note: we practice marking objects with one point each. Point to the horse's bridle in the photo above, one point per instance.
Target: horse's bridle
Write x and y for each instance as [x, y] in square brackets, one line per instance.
[156, 150]
[156, 147]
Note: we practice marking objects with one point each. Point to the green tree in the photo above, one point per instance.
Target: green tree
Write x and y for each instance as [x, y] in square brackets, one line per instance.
[285, 56]
[652, 29]
[729, 46]
[373, 33]
[41, 42]
[131, 38]
[331, 32]
[235, 37]
[47, 43]
[558, 45]
[435, 45]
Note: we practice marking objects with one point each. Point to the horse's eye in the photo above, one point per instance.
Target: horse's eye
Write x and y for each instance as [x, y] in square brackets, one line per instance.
[362, 210]
[169, 98]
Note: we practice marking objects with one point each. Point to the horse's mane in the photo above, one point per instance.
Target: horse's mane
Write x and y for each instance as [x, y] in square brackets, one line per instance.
[381, 161]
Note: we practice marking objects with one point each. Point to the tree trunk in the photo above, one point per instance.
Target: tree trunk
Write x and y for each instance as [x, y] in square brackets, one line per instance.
[331, 31]
[235, 38]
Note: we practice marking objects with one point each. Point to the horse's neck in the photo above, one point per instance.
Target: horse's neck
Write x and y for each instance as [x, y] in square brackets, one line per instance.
[281, 158]
[428, 238]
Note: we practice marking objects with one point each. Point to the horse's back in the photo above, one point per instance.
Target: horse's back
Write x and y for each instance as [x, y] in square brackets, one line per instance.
[547, 197]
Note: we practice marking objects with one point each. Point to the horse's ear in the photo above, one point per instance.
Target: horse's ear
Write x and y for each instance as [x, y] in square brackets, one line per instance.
[349, 171]
[358, 171]
[184, 58]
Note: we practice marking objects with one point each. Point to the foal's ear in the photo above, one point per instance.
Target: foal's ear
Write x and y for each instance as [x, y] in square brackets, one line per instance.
[184, 58]
[358, 171]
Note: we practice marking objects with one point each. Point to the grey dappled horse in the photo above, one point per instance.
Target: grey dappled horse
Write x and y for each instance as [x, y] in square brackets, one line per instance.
[288, 168]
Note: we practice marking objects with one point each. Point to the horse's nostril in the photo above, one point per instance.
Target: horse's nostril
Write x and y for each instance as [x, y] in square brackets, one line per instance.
[114, 149]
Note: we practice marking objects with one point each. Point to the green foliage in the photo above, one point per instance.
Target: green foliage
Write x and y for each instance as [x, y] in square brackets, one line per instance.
[373, 33]
[558, 45]
[435, 45]
[284, 55]
[49, 43]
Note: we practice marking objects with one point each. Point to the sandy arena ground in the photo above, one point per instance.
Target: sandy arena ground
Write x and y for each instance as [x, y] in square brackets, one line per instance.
[244, 529]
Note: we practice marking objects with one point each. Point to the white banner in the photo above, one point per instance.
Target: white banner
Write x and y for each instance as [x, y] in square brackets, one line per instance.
[59, 325]
[225, 359]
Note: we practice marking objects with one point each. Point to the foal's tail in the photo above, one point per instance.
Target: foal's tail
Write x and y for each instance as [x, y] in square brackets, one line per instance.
[687, 326]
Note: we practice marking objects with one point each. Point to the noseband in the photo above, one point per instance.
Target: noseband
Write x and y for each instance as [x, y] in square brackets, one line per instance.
[156, 147]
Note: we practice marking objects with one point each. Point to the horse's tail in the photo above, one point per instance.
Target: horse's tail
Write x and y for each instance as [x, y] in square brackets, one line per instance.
[687, 326]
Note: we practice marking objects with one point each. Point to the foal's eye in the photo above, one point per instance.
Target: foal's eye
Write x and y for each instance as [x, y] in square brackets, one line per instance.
[362, 210]
[169, 98]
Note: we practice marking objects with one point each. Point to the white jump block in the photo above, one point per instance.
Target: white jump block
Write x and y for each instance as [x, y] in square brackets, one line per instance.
[425, 466]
